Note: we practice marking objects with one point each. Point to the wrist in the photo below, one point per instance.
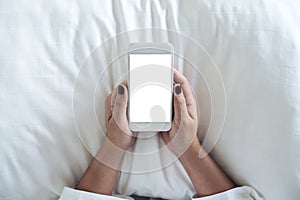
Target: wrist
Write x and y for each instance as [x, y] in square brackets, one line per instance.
[110, 155]
[192, 152]
[121, 139]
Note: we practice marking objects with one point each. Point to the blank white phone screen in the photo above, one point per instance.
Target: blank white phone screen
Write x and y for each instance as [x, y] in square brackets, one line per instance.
[150, 87]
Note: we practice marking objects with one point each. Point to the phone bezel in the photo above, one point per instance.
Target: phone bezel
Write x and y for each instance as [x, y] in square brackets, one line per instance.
[150, 48]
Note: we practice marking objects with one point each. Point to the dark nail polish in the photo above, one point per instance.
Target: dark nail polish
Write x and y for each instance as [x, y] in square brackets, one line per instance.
[178, 89]
[121, 89]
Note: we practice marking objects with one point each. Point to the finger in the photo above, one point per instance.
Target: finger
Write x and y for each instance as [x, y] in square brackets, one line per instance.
[133, 141]
[115, 91]
[108, 112]
[187, 92]
[180, 79]
[177, 111]
[166, 137]
[113, 98]
[120, 104]
[180, 103]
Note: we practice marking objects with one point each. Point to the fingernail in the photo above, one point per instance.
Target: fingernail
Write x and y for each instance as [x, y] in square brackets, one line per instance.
[121, 89]
[178, 89]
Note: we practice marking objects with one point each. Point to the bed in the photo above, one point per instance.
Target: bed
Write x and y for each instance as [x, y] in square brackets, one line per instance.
[59, 60]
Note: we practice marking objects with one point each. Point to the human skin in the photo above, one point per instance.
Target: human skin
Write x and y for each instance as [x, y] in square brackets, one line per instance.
[205, 174]
[99, 177]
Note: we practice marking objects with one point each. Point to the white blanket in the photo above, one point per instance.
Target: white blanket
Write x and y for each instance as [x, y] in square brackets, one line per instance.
[253, 45]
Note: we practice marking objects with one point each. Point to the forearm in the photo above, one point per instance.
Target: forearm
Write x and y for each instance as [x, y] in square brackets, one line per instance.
[101, 178]
[205, 174]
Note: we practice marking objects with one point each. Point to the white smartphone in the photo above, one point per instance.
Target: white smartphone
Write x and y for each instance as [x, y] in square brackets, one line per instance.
[150, 86]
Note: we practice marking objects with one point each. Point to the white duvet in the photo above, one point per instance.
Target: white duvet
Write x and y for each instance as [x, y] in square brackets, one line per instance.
[49, 131]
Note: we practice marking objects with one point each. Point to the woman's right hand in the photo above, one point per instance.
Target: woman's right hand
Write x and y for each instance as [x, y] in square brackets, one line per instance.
[183, 134]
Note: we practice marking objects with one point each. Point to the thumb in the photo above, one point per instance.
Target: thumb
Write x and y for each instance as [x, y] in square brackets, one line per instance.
[120, 104]
[180, 109]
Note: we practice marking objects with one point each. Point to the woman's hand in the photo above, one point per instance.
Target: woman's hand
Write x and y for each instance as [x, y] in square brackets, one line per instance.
[117, 129]
[185, 123]
[102, 173]
[204, 173]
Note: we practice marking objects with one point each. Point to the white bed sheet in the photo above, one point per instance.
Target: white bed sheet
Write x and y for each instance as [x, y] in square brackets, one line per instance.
[255, 45]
